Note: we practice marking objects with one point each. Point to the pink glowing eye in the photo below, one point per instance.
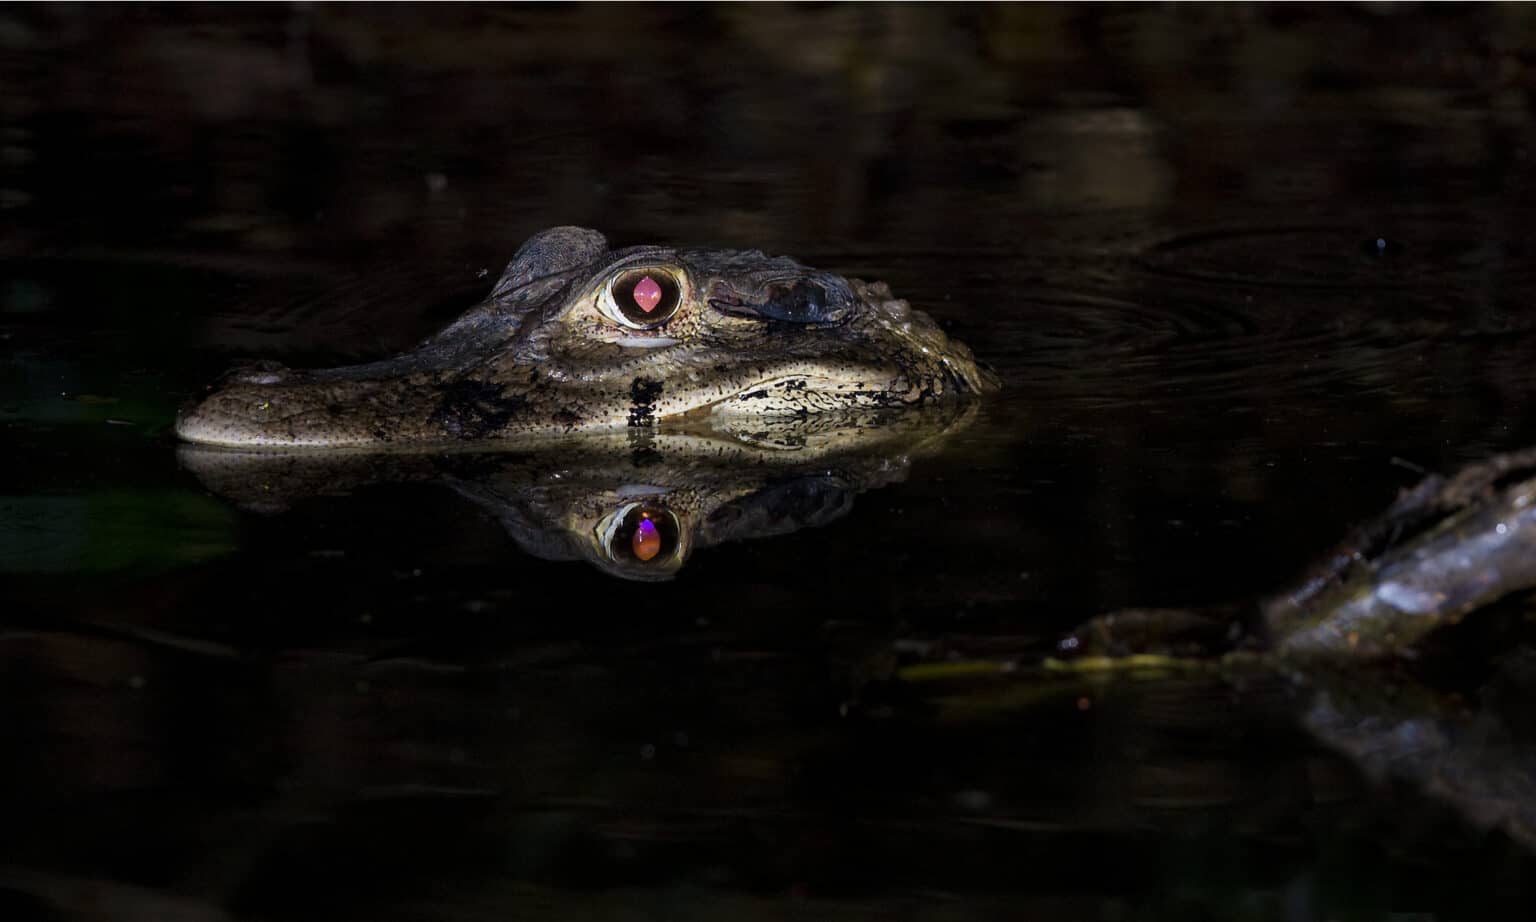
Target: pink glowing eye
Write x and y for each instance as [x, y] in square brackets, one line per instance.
[645, 297]
[647, 294]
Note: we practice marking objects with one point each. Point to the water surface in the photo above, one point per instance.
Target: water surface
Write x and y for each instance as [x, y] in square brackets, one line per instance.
[1244, 272]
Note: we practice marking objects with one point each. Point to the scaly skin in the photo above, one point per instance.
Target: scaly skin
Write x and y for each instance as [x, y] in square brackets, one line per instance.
[752, 336]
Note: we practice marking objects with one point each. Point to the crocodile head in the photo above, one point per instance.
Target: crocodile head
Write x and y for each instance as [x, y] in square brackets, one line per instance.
[576, 336]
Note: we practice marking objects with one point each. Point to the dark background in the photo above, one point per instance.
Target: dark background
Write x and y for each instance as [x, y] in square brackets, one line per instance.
[1245, 271]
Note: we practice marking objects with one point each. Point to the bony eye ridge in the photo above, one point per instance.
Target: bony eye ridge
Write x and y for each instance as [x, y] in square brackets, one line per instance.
[644, 298]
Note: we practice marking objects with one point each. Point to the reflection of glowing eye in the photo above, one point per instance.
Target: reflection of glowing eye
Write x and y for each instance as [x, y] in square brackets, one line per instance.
[642, 533]
[643, 299]
[646, 542]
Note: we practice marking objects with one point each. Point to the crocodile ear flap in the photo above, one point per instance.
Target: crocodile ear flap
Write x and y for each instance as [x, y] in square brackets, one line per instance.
[551, 252]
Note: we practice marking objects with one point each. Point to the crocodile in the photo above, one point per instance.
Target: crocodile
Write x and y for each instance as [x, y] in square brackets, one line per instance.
[578, 336]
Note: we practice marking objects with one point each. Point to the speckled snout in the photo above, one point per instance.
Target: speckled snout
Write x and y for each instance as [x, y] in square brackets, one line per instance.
[285, 408]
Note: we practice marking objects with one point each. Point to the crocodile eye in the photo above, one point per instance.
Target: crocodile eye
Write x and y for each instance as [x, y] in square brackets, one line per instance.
[643, 533]
[644, 298]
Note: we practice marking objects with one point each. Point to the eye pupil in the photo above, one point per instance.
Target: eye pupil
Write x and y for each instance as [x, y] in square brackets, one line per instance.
[647, 295]
[646, 298]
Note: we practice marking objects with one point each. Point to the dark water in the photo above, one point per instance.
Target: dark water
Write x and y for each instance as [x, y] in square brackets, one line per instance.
[1244, 271]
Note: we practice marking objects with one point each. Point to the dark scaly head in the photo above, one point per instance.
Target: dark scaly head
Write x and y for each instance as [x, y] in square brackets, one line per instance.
[578, 336]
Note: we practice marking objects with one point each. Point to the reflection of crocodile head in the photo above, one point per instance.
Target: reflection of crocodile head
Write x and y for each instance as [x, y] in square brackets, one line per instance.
[578, 336]
[636, 504]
